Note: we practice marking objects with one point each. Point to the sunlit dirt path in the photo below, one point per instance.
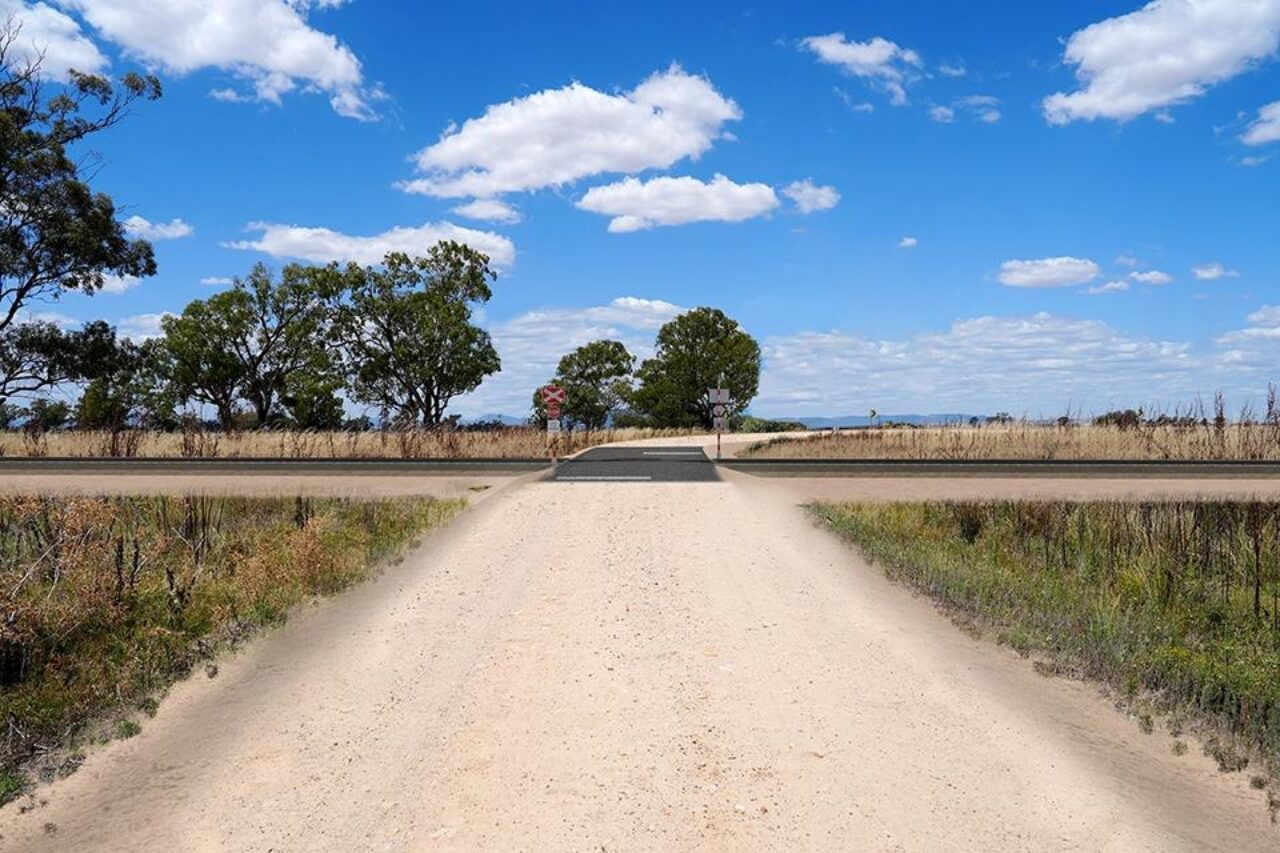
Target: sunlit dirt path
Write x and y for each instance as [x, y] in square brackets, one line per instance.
[636, 666]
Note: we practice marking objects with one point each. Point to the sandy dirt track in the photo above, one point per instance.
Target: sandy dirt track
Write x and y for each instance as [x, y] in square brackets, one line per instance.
[624, 666]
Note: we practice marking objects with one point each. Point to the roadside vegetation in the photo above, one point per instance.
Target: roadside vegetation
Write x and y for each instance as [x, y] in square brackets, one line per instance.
[107, 601]
[1128, 435]
[196, 441]
[1175, 605]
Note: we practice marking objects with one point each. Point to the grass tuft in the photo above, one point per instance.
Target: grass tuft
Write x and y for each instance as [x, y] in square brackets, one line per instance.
[1180, 600]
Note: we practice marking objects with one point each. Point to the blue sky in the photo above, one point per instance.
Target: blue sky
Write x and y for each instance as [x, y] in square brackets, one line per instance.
[1032, 153]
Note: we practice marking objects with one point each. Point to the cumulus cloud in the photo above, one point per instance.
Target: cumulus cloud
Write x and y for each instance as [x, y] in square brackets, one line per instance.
[1213, 272]
[636, 205]
[1167, 52]
[117, 284]
[809, 197]
[983, 107]
[217, 281]
[1151, 277]
[1048, 272]
[488, 210]
[322, 245]
[1265, 128]
[558, 136]
[1256, 347]
[1119, 286]
[141, 327]
[52, 37]
[908, 243]
[532, 343]
[175, 229]
[1038, 365]
[878, 61]
[268, 44]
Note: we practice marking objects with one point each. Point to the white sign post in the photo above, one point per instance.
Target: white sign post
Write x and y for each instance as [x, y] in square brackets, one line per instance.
[719, 398]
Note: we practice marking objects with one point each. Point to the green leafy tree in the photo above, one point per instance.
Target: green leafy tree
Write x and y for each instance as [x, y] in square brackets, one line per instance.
[201, 367]
[126, 384]
[597, 382]
[56, 234]
[251, 341]
[45, 415]
[312, 401]
[699, 350]
[408, 343]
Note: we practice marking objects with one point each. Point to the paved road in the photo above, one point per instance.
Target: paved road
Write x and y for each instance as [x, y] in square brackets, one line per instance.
[671, 666]
[655, 464]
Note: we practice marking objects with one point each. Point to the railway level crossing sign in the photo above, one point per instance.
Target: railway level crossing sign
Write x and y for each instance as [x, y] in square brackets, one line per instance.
[719, 398]
[553, 397]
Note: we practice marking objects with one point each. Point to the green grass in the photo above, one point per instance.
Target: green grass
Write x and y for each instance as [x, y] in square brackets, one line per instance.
[1179, 600]
[109, 600]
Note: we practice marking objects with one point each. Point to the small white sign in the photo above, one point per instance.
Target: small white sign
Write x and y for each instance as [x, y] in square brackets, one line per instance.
[718, 410]
[718, 395]
[553, 424]
[720, 424]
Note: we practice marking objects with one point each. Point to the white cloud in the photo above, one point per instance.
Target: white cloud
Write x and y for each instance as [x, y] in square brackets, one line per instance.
[147, 230]
[879, 61]
[117, 284]
[1253, 161]
[1151, 277]
[1255, 348]
[636, 205]
[809, 197]
[1266, 128]
[488, 210]
[266, 43]
[1119, 286]
[941, 114]
[908, 243]
[983, 107]
[1213, 272]
[1128, 260]
[531, 345]
[51, 34]
[1048, 272]
[217, 281]
[141, 327]
[557, 136]
[952, 69]
[322, 245]
[1167, 52]
[1036, 365]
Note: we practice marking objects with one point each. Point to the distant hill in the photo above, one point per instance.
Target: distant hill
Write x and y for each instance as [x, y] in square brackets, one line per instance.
[862, 420]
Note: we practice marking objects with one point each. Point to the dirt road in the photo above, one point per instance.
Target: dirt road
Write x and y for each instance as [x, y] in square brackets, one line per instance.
[626, 666]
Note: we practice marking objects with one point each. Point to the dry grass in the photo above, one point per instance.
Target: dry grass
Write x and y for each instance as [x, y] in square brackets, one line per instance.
[104, 601]
[506, 443]
[1177, 599]
[1256, 442]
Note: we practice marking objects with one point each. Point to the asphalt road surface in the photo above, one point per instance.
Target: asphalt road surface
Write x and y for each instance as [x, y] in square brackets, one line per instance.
[655, 464]
[626, 665]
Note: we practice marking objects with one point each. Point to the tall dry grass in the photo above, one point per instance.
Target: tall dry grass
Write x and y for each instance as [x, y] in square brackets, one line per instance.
[196, 442]
[1179, 600]
[1026, 441]
[104, 601]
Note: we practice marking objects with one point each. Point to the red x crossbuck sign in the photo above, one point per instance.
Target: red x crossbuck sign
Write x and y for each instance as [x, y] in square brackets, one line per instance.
[553, 395]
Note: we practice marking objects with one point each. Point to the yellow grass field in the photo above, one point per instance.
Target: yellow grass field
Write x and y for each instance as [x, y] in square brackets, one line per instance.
[1254, 442]
[508, 443]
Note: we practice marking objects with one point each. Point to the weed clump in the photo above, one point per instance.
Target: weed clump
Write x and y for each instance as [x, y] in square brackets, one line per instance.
[109, 600]
[1176, 599]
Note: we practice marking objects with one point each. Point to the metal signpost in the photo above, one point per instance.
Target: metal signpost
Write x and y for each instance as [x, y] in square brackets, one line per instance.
[553, 397]
[719, 398]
